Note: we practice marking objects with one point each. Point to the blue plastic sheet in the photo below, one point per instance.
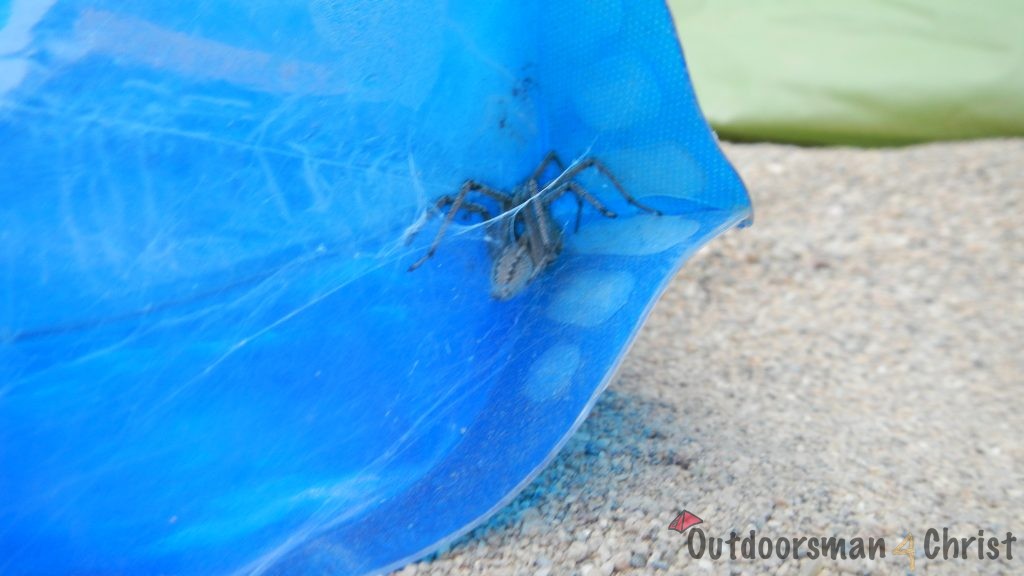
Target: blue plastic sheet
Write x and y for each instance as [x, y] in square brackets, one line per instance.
[213, 355]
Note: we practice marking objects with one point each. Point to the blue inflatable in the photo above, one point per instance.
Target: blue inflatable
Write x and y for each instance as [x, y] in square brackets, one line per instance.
[315, 286]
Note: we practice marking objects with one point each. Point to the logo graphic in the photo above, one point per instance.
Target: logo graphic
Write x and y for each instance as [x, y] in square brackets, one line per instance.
[753, 546]
[684, 521]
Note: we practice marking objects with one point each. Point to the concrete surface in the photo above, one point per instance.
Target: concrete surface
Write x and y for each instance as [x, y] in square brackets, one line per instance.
[852, 365]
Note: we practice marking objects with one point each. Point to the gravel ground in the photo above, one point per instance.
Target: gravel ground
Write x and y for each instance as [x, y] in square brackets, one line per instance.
[852, 365]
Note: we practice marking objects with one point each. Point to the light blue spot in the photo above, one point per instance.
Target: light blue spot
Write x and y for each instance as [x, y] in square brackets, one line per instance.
[590, 298]
[621, 93]
[552, 373]
[636, 236]
[677, 176]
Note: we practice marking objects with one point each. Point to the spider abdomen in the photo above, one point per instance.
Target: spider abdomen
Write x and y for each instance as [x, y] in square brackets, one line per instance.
[512, 271]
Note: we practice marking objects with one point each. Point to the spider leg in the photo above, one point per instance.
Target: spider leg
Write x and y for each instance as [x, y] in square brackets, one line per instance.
[579, 213]
[581, 194]
[473, 207]
[441, 203]
[457, 203]
[477, 209]
[592, 162]
[530, 214]
[548, 159]
[505, 200]
[542, 245]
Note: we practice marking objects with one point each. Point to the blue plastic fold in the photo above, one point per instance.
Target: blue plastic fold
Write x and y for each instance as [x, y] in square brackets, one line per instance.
[213, 356]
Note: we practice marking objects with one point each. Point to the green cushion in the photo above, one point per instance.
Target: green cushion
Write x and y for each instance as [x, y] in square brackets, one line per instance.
[865, 72]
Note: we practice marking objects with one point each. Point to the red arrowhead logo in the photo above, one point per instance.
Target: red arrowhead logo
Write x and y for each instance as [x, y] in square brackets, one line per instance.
[684, 521]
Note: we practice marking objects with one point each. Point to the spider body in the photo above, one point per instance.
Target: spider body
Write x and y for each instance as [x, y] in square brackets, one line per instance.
[524, 239]
[522, 245]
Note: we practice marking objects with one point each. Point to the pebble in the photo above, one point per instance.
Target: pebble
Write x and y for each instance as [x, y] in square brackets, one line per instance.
[577, 551]
[621, 561]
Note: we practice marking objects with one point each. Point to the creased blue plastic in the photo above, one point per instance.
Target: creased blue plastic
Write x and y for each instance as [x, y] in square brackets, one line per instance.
[213, 359]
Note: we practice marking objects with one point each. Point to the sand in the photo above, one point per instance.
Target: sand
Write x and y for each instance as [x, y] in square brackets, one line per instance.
[852, 366]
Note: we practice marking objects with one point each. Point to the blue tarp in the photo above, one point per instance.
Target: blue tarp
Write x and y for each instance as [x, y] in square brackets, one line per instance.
[213, 355]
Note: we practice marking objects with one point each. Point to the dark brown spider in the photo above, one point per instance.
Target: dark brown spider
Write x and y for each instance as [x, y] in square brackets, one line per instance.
[523, 245]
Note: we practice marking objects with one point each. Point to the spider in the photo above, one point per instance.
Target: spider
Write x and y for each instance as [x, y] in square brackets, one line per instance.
[526, 243]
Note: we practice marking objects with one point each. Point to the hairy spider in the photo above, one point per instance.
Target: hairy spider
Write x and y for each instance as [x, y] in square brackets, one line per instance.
[523, 245]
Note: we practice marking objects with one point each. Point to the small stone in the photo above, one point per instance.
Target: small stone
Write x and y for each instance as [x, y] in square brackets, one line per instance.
[533, 524]
[621, 561]
[638, 560]
[577, 551]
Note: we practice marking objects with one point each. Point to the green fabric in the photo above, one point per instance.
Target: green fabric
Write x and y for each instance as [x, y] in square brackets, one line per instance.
[865, 72]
